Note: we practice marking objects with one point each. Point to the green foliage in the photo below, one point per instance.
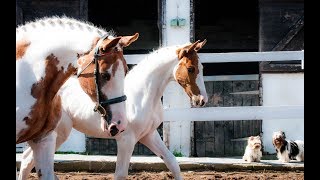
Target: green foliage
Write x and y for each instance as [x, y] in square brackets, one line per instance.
[177, 153]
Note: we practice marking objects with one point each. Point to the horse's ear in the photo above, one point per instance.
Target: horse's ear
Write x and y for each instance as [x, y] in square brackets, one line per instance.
[107, 43]
[95, 42]
[127, 40]
[80, 61]
[200, 45]
[181, 52]
[193, 46]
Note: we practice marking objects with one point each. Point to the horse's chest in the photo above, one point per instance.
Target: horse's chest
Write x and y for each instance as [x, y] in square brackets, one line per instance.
[45, 112]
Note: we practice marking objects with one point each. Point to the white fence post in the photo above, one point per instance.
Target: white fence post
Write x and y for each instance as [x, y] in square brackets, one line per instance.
[176, 134]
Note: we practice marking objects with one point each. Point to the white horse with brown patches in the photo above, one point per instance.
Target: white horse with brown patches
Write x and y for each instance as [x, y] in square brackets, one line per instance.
[48, 52]
[144, 86]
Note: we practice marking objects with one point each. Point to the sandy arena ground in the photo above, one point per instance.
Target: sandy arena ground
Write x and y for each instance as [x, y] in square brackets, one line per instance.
[187, 175]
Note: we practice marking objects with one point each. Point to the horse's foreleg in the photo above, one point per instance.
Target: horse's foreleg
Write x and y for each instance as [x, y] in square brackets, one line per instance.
[43, 151]
[27, 163]
[154, 142]
[125, 147]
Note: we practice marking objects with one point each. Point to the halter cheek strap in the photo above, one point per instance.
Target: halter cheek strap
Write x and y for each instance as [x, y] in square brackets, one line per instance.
[99, 105]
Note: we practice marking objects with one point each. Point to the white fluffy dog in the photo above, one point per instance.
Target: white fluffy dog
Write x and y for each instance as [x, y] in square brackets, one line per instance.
[286, 149]
[253, 152]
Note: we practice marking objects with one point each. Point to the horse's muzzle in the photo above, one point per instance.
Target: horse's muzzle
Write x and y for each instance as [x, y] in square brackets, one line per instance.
[198, 101]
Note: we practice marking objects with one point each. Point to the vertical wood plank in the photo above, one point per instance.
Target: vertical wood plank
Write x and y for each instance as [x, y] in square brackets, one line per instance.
[218, 125]
[228, 135]
[209, 147]
[209, 89]
[219, 138]
[200, 144]
[83, 9]
[218, 94]
[228, 101]
[208, 136]
[238, 86]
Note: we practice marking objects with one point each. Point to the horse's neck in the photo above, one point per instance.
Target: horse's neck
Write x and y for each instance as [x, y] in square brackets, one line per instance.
[74, 100]
[62, 37]
[78, 107]
[151, 76]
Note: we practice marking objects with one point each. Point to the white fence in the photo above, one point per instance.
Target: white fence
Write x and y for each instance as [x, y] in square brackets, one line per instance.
[233, 113]
[241, 112]
[235, 57]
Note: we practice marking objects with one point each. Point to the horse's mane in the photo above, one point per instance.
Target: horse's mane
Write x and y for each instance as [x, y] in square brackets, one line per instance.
[59, 23]
[157, 57]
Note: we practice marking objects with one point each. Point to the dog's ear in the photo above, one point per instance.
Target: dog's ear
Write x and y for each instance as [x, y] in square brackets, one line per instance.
[273, 142]
[284, 135]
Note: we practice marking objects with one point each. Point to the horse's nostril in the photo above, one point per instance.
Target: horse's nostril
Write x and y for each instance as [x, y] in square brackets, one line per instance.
[202, 103]
[119, 122]
[114, 130]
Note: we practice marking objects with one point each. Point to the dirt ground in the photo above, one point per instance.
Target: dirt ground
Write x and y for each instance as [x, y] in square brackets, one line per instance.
[187, 175]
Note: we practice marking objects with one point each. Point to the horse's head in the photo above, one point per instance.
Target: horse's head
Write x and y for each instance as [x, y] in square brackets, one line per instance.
[189, 74]
[101, 75]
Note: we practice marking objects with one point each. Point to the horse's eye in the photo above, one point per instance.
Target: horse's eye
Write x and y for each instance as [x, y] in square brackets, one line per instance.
[102, 50]
[106, 76]
[191, 69]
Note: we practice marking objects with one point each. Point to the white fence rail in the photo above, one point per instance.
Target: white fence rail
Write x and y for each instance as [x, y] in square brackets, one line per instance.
[240, 112]
[234, 113]
[235, 57]
[251, 56]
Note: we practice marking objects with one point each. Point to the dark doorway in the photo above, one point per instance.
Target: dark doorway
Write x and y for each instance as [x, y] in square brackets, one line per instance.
[128, 18]
[229, 26]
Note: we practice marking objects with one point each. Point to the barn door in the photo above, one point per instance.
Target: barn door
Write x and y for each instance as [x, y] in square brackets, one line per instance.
[19, 15]
[282, 29]
[227, 138]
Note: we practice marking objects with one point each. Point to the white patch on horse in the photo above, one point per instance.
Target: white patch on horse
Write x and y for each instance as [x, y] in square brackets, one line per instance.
[139, 87]
[200, 82]
[24, 99]
[116, 108]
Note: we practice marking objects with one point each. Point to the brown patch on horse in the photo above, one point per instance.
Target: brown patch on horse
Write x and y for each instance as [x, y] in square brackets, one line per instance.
[120, 56]
[187, 71]
[21, 48]
[46, 111]
[110, 57]
[115, 67]
[126, 68]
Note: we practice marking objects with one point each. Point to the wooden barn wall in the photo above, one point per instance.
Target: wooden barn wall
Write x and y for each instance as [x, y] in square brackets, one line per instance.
[223, 138]
[31, 9]
[99, 146]
[276, 19]
[281, 28]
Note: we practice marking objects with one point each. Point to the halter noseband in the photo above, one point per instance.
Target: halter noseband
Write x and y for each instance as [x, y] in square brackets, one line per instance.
[99, 105]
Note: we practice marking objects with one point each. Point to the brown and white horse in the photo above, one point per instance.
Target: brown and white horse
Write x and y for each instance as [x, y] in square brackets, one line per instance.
[48, 52]
[144, 86]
